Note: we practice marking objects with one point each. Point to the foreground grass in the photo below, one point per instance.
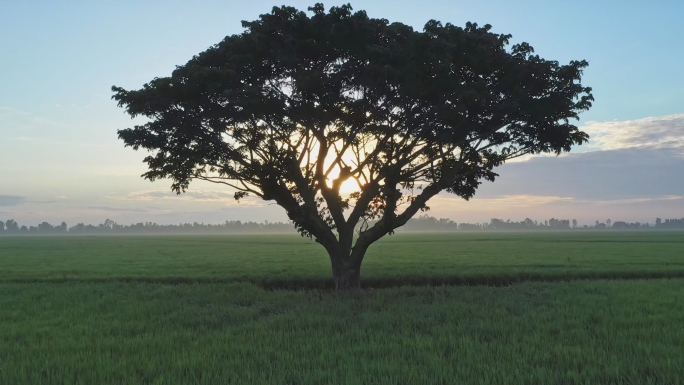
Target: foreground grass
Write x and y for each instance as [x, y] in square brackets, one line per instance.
[289, 261]
[601, 332]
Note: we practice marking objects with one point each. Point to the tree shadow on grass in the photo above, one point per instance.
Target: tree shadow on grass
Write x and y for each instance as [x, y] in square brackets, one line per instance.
[326, 283]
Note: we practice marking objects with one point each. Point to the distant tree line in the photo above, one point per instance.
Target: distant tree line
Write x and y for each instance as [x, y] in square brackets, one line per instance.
[422, 223]
[427, 223]
[111, 227]
[669, 223]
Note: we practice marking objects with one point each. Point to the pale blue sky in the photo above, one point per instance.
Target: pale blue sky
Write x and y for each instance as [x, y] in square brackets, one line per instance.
[60, 158]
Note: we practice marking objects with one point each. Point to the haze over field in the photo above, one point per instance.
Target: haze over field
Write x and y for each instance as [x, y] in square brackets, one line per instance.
[60, 159]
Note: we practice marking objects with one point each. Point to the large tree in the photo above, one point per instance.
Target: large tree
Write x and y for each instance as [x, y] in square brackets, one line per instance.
[300, 104]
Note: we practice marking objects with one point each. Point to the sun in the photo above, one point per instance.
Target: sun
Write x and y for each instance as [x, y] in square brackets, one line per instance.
[348, 186]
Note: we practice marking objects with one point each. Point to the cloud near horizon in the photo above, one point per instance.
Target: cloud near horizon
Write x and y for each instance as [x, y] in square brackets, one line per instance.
[596, 175]
[11, 200]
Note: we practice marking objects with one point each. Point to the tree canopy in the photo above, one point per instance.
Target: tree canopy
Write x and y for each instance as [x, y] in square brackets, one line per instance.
[299, 104]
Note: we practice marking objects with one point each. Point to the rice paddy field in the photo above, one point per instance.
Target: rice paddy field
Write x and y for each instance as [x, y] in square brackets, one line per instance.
[573, 307]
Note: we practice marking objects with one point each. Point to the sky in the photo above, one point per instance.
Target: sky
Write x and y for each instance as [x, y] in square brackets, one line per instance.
[61, 160]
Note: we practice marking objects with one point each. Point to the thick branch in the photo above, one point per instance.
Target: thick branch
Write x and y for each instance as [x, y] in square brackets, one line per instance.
[389, 223]
[369, 191]
[305, 216]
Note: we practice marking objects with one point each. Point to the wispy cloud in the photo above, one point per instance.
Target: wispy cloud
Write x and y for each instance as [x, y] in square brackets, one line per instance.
[61, 142]
[498, 204]
[4, 111]
[117, 209]
[654, 132]
[188, 196]
[16, 120]
[633, 200]
[196, 195]
[524, 200]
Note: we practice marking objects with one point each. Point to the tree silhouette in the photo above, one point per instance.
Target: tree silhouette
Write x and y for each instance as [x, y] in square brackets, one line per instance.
[299, 105]
[12, 226]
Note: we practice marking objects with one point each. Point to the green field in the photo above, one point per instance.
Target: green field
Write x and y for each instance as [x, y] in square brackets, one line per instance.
[290, 261]
[220, 310]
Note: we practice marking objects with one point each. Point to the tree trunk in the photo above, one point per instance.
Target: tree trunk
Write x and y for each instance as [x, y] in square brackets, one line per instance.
[346, 274]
